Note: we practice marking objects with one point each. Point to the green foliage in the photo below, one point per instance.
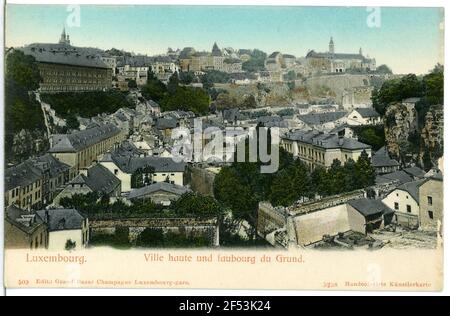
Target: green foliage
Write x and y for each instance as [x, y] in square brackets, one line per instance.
[132, 84]
[175, 97]
[216, 76]
[195, 204]
[186, 77]
[396, 90]
[142, 177]
[72, 121]
[22, 111]
[156, 238]
[383, 69]
[249, 102]
[256, 61]
[372, 135]
[23, 70]
[87, 104]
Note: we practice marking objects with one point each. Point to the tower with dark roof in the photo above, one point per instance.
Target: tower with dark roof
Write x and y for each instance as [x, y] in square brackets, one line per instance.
[216, 50]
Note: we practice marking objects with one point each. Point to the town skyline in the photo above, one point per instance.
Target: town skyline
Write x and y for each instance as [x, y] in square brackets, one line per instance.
[419, 50]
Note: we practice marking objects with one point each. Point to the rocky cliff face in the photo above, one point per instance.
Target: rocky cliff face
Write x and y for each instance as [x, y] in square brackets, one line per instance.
[400, 123]
[432, 133]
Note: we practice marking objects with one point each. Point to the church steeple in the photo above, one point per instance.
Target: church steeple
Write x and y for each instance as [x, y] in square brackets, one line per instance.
[360, 51]
[64, 39]
[331, 46]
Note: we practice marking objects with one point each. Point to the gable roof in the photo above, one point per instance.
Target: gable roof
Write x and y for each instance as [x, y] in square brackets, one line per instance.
[160, 164]
[81, 139]
[412, 188]
[98, 179]
[369, 207]
[367, 112]
[381, 158]
[61, 219]
[325, 140]
[155, 187]
[415, 172]
[22, 219]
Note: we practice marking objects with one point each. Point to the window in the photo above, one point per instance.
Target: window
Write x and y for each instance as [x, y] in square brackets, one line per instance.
[396, 205]
[116, 172]
[430, 200]
[430, 214]
[408, 208]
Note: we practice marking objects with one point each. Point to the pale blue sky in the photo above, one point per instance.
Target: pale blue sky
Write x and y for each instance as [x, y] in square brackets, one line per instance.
[408, 39]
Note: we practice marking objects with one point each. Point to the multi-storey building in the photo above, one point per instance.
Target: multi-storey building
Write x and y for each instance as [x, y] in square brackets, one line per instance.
[319, 149]
[81, 148]
[66, 68]
[35, 182]
[332, 62]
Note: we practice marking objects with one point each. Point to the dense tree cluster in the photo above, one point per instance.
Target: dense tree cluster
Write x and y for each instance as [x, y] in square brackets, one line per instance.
[176, 97]
[256, 61]
[22, 111]
[372, 135]
[86, 104]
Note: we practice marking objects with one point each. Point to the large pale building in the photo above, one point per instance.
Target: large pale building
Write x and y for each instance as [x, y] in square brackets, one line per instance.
[80, 149]
[319, 149]
[332, 62]
[66, 68]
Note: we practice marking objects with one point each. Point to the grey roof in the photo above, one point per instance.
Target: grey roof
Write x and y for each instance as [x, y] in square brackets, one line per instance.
[288, 56]
[381, 158]
[48, 163]
[242, 51]
[21, 175]
[415, 172]
[400, 176]
[61, 219]
[81, 139]
[64, 54]
[369, 207]
[164, 123]
[325, 140]
[367, 112]
[98, 179]
[313, 54]
[274, 54]
[160, 164]
[22, 219]
[155, 187]
[412, 188]
[32, 170]
[321, 118]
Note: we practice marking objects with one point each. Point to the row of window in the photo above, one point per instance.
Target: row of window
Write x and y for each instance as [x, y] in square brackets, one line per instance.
[72, 73]
[38, 241]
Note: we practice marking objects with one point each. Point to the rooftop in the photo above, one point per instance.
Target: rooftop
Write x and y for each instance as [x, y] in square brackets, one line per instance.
[81, 139]
[156, 187]
[369, 207]
[61, 219]
[325, 140]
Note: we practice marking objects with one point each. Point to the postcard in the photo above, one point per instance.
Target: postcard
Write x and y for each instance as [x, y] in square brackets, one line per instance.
[223, 147]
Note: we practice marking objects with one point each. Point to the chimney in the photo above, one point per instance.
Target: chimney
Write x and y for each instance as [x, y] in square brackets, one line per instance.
[341, 140]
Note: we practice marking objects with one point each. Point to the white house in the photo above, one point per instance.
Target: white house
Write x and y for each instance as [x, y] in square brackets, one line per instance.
[404, 200]
[67, 229]
[363, 116]
[123, 167]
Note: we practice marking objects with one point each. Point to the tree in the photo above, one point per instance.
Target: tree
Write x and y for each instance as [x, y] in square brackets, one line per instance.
[154, 90]
[186, 77]
[224, 101]
[384, 69]
[23, 70]
[142, 177]
[249, 102]
[132, 84]
[173, 83]
[72, 122]
[197, 205]
[70, 245]
[256, 61]
[364, 171]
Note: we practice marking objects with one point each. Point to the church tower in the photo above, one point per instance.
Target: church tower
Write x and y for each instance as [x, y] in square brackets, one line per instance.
[64, 39]
[331, 46]
[360, 51]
